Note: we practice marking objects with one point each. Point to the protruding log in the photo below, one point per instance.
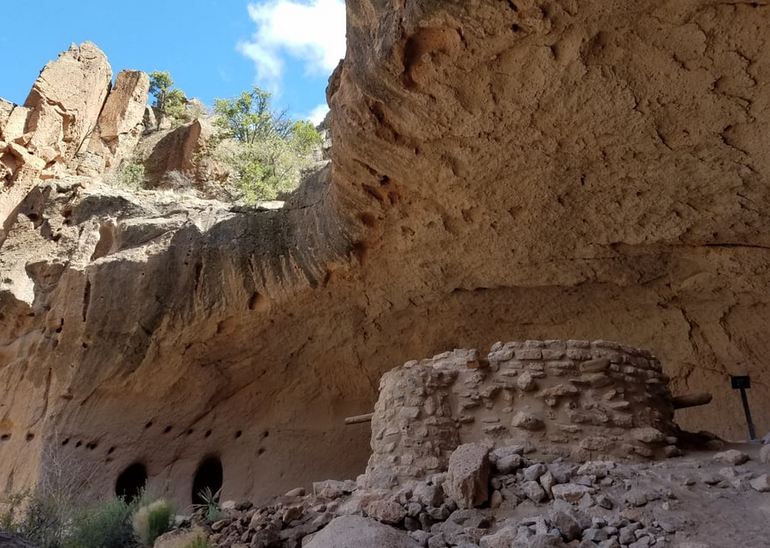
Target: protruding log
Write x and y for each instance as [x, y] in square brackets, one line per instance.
[692, 400]
[359, 419]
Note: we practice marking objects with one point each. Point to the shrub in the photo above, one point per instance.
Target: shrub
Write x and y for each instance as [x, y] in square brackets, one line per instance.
[210, 507]
[168, 99]
[266, 151]
[44, 516]
[152, 520]
[304, 137]
[130, 175]
[42, 520]
[11, 506]
[248, 118]
[105, 526]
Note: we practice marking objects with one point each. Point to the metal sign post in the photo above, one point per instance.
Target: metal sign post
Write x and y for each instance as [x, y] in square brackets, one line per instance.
[742, 383]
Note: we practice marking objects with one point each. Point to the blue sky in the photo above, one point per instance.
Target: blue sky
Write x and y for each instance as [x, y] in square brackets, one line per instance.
[213, 48]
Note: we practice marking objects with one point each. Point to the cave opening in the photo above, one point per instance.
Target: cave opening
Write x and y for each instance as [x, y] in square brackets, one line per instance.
[208, 479]
[131, 482]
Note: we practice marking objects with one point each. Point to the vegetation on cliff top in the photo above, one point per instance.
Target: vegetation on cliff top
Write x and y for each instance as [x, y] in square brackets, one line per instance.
[264, 152]
[267, 151]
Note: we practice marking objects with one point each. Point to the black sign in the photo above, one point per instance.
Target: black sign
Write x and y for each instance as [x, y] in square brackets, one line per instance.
[740, 382]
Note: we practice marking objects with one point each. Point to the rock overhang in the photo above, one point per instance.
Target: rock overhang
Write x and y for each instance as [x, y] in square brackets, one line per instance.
[543, 177]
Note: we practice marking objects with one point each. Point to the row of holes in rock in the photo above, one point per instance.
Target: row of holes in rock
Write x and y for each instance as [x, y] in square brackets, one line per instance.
[94, 444]
[7, 436]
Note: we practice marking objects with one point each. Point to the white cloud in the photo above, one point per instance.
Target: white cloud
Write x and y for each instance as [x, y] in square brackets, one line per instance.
[310, 31]
[318, 114]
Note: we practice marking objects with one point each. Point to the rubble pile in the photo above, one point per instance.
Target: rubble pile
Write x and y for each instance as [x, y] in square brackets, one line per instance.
[501, 498]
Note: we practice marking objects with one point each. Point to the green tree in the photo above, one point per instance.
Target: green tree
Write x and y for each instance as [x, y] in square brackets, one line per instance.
[248, 117]
[168, 99]
[161, 84]
[269, 151]
[305, 137]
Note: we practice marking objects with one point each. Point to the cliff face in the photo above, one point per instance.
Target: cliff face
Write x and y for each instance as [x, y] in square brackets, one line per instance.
[501, 170]
[563, 169]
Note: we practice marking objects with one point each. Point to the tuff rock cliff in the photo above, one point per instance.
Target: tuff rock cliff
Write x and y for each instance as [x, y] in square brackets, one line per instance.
[500, 170]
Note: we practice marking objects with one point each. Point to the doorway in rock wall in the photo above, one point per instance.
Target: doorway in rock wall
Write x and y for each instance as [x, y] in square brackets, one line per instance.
[131, 481]
[208, 479]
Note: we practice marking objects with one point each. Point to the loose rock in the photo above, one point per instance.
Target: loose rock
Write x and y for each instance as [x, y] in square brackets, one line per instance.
[731, 456]
[468, 475]
[355, 532]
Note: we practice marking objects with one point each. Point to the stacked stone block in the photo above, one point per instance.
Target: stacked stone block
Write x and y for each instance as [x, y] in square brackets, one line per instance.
[577, 399]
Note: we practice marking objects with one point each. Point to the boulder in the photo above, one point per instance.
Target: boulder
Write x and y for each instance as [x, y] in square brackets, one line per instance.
[332, 489]
[761, 483]
[534, 491]
[60, 112]
[599, 468]
[66, 100]
[356, 531]
[648, 435]
[571, 492]
[21, 167]
[119, 126]
[6, 107]
[764, 454]
[13, 121]
[503, 538]
[568, 526]
[508, 463]
[428, 494]
[179, 538]
[731, 456]
[124, 109]
[386, 511]
[468, 475]
[534, 471]
[636, 497]
[177, 151]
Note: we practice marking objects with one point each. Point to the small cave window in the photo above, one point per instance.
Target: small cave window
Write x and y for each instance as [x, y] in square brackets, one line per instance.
[131, 481]
[208, 478]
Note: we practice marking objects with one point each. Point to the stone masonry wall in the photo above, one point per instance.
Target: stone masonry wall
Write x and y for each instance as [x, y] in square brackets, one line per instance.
[576, 399]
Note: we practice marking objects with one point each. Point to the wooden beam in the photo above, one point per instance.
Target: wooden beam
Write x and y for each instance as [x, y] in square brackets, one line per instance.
[359, 419]
[692, 400]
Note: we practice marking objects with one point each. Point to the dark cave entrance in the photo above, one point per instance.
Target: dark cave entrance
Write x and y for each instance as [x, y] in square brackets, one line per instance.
[208, 479]
[131, 481]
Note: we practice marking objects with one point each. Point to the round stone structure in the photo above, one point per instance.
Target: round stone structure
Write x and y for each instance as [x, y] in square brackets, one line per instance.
[578, 399]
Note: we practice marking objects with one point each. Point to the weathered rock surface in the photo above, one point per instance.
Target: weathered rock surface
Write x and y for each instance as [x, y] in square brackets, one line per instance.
[180, 152]
[65, 102]
[180, 539]
[119, 126]
[354, 532]
[72, 111]
[501, 170]
[731, 456]
[661, 511]
[467, 480]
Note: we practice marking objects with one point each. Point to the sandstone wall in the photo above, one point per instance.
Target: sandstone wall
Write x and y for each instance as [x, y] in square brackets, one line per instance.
[72, 121]
[65, 102]
[501, 170]
[119, 126]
